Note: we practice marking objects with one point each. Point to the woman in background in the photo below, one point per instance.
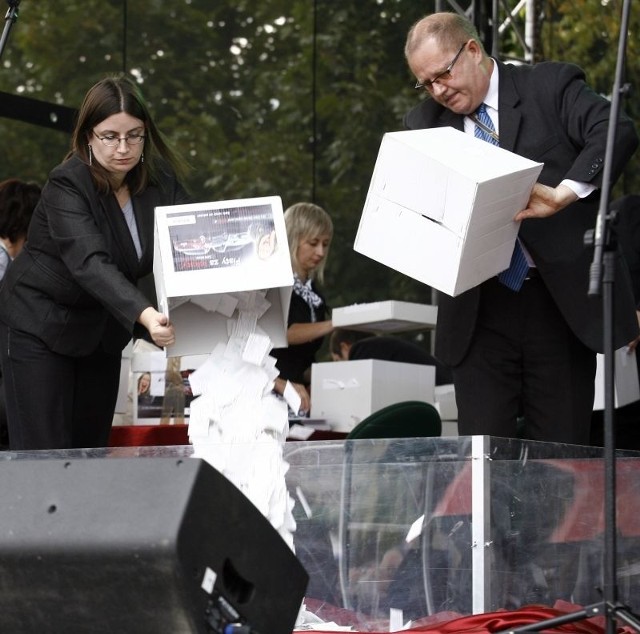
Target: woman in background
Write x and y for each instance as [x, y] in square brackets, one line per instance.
[69, 301]
[17, 202]
[309, 233]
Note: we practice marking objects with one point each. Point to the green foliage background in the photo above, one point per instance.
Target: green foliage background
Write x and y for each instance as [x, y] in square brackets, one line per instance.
[270, 97]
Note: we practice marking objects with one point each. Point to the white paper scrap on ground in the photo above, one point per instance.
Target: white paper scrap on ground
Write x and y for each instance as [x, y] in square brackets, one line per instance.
[309, 622]
[323, 627]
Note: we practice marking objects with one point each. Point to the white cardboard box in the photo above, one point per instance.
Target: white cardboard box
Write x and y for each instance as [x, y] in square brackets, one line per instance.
[626, 387]
[440, 207]
[445, 397]
[123, 386]
[385, 317]
[346, 392]
[210, 256]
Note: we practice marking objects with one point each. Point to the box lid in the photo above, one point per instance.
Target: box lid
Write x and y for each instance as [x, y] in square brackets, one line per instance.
[389, 316]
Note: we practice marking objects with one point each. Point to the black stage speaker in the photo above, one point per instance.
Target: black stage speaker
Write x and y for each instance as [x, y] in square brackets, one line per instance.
[138, 545]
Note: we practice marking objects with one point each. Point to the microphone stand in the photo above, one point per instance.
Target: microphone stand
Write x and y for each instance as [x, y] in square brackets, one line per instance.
[10, 18]
[604, 253]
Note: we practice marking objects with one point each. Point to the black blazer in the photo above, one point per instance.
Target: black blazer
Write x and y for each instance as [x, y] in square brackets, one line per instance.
[294, 361]
[548, 114]
[74, 284]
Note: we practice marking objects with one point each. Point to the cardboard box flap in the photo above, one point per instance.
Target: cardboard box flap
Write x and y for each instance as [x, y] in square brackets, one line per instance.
[380, 238]
[457, 151]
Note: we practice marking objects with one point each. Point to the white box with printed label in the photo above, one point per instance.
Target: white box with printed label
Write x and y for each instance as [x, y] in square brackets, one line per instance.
[212, 260]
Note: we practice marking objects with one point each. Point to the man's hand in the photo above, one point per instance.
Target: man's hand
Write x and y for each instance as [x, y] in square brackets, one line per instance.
[546, 201]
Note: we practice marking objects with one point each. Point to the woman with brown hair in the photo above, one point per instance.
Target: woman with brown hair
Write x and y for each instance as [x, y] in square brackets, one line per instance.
[70, 301]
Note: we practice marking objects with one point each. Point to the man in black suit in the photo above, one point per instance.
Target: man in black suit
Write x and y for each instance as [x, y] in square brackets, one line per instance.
[527, 352]
[626, 226]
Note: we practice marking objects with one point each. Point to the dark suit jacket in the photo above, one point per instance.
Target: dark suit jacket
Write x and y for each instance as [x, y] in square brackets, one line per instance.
[294, 361]
[393, 348]
[549, 115]
[626, 227]
[74, 284]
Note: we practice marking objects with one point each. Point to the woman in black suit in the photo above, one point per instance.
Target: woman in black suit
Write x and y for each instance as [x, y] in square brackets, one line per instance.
[69, 302]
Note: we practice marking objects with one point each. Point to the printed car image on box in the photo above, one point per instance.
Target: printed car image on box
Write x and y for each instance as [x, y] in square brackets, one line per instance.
[216, 238]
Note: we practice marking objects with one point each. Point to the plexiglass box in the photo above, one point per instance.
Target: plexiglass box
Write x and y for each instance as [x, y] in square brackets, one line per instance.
[433, 528]
[428, 529]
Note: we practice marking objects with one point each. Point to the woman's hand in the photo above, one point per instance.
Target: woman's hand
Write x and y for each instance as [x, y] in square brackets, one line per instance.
[305, 400]
[159, 327]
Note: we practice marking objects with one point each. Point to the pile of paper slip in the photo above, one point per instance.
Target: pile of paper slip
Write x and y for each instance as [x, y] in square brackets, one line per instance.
[238, 425]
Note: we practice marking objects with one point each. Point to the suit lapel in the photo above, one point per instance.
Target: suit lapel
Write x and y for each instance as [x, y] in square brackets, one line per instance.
[451, 119]
[128, 259]
[144, 212]
[508, 109]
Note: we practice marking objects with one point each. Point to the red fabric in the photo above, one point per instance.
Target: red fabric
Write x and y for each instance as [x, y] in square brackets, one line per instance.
[488, 623]
[148, 435]
[504, 620]
[584, 519]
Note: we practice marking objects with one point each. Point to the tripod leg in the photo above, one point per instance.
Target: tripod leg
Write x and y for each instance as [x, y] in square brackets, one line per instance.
[597, 609]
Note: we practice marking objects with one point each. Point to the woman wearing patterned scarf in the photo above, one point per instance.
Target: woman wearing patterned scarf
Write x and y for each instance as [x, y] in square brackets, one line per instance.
[309, 232]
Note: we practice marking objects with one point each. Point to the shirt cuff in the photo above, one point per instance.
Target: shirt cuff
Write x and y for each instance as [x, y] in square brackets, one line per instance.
[581, 190]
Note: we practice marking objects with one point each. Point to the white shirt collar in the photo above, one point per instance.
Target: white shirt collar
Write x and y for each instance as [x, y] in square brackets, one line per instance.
[491, 98]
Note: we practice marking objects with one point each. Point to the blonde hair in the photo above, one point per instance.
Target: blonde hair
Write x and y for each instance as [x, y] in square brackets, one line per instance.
[306, 221]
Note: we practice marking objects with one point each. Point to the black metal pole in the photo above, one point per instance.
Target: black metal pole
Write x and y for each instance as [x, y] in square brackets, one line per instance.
[9, 21]
[610, 590]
